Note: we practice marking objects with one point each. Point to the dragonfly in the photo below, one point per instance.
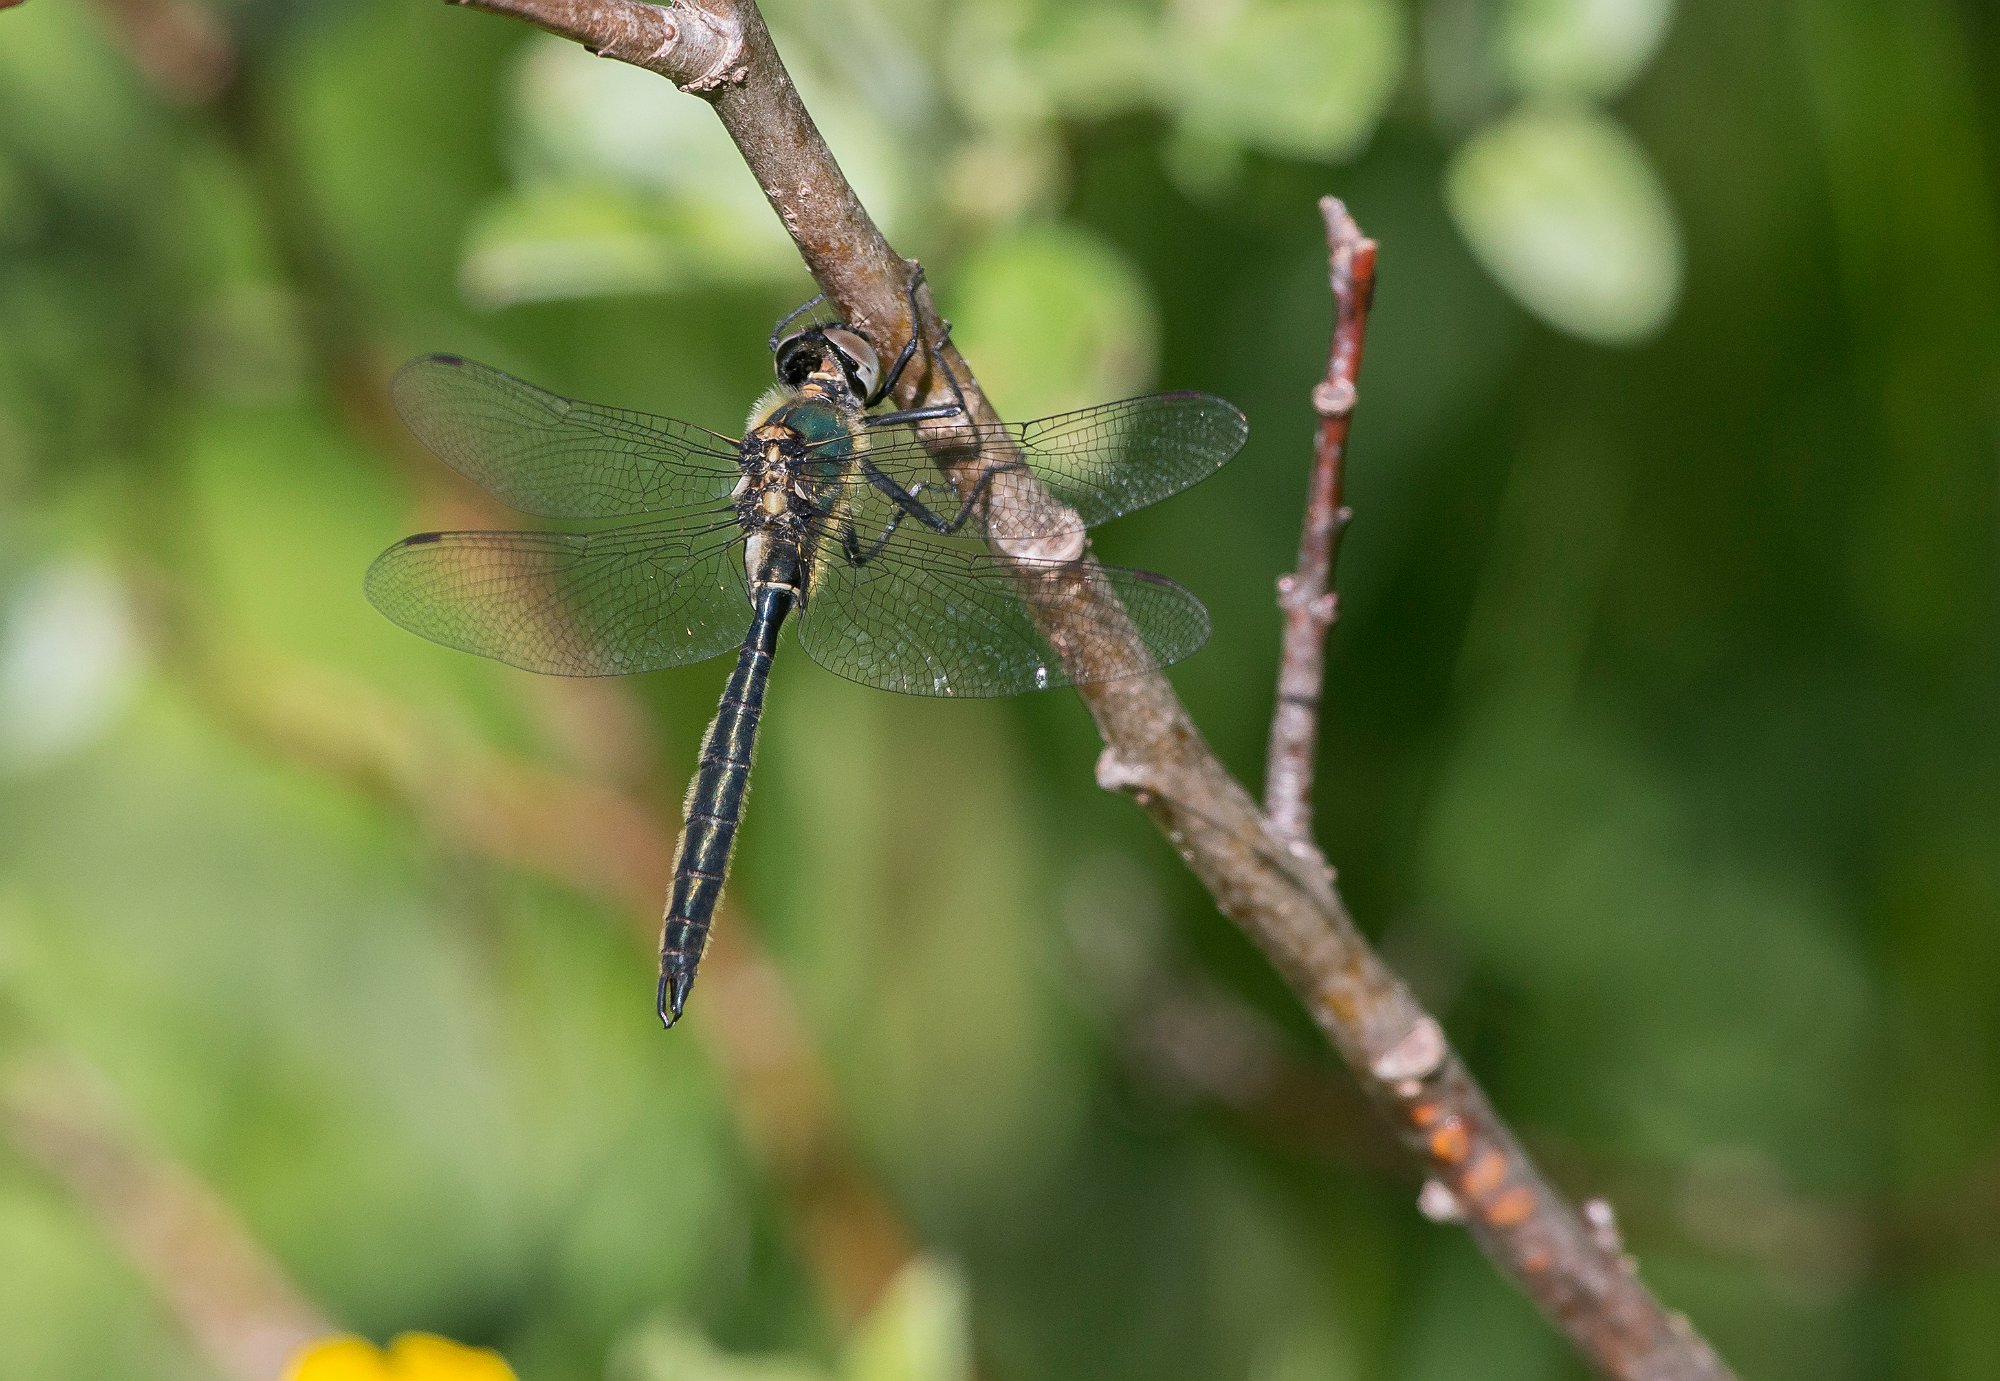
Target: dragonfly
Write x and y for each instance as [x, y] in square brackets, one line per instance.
[826, 515]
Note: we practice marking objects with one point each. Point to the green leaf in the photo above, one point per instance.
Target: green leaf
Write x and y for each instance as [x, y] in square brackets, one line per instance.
[1580, 48]
[1564, 209]
[1057, 319]
[1303, 78]
[919, 1331]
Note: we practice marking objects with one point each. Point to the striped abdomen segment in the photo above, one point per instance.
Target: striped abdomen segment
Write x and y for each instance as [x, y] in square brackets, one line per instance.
[715, 805]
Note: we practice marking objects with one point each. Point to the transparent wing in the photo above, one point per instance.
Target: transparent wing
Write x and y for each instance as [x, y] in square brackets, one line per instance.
[571, 604]
[543, 453]
[934, 616]
[1100, 462]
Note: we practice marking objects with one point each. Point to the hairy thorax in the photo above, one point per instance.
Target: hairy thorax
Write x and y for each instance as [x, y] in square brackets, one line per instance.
[793, 459]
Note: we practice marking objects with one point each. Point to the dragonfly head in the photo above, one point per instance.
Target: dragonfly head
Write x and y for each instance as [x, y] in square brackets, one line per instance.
[834, 350]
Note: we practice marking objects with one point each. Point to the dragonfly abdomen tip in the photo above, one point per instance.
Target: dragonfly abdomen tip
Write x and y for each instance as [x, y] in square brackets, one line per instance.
[674, 987]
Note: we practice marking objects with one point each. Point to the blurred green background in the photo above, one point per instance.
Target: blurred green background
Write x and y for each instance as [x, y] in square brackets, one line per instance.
[1662, 749]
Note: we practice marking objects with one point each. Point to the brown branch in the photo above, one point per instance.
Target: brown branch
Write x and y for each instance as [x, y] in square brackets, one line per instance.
[182, 48]
[1193, 1044]
[1277, 888]
[1306, 596]
[232, 1299]
[689, 46]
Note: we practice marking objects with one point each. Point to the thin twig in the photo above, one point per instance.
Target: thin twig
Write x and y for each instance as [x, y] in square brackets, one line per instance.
[1306, 596]
[182, 48]
[230, 1296]
[1278, 889]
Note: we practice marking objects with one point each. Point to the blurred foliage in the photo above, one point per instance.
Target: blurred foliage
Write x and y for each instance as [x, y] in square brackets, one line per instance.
[1562, 208]
[1661, 751]
[918, 1332]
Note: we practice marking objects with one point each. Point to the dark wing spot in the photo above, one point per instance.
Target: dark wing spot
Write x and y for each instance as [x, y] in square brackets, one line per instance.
[421, 538]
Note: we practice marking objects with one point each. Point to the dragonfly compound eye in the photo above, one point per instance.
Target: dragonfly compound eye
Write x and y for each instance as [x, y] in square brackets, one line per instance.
[857, 360]
[799, 354]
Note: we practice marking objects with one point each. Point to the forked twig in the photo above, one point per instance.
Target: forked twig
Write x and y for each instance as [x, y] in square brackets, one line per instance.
[1276, 887]
[1306, 596]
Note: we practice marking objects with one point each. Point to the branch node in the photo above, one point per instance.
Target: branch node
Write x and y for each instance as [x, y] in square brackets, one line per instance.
[1439, 1204]
[717, 38]
[1334, 398]
[1306, 852]
[1603, 1225]
[1297, 595]
[1116, 773]
[1416, 1055]
[670, 35]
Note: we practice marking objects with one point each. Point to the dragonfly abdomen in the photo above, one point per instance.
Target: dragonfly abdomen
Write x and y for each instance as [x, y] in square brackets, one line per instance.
[715, 805]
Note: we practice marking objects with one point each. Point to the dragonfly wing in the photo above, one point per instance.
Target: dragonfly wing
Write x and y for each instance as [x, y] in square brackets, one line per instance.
[1099, 462]
[930, 616]
[543, 453]
[570, 604]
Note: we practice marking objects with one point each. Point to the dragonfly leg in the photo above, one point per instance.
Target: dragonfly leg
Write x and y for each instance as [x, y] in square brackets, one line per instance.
[936, 410]
[850, 541]
[908, 504]
[937, 351]
[950, 376]
[909, 349]
[908, 352]
[778, 331]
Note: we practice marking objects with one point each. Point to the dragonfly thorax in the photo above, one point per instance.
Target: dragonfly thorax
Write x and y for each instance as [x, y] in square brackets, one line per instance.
[793, 462]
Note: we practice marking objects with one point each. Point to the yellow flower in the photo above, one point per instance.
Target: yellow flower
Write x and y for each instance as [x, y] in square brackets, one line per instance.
[411, 1357]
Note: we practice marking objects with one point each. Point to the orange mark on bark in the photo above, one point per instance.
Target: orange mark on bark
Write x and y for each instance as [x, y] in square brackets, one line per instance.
[1449, 1143]
[1336, 1000]
[1511, 1208]
[1487, 1174]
